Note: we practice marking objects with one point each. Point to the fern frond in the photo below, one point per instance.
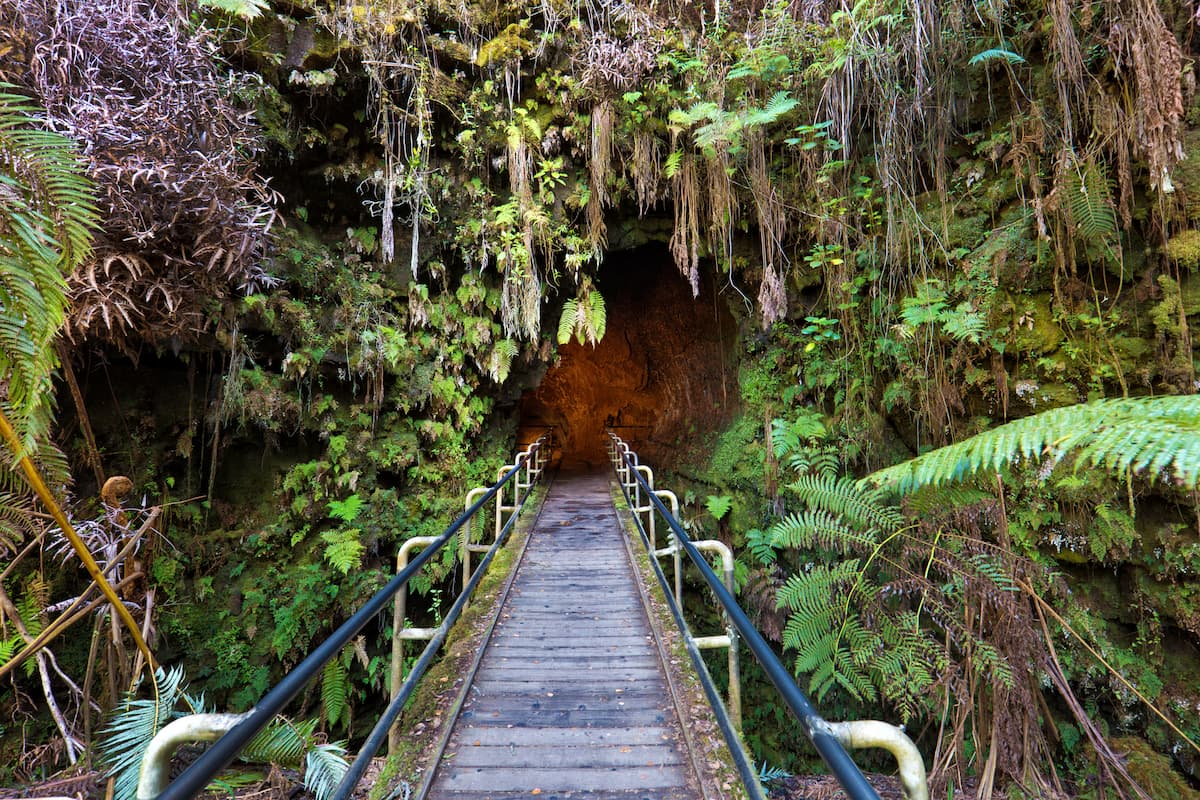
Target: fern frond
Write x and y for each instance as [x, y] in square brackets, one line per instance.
[779, 104]
[818, 528]
[596, 322]
[282, 742]
[501, 359]
[123, 742]
[859, 503]
[566, 323]
[324, 767]
[333, 691]
[1090, 202]
[761, 545]
[1158, 436]
[996, 54]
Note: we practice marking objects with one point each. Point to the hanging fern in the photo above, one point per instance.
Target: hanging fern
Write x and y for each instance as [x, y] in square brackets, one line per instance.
[584, 317]
[1158, 436]
[501, 359]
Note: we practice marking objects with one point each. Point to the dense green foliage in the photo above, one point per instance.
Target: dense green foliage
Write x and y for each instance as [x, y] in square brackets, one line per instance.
[930, 219]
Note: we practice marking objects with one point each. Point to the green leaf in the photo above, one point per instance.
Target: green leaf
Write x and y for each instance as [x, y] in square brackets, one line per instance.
[333, 691]
[718, 505]
[246, 9]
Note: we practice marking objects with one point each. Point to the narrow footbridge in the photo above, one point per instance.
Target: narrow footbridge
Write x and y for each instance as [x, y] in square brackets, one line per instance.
[578, 689]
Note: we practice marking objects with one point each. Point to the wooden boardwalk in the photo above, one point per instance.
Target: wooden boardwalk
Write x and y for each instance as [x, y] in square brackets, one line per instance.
[570, 698]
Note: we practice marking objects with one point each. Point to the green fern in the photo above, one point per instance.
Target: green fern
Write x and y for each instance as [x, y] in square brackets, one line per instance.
[46, 219]
[500, 362]
[333, 691]
[134, 723]
[779, 105]
[246, 9]
[343, 548]
[1090, 202]
[568, 321]
[718, 505]
[996, 54]
[324, 767]
[583, 317]
[1158, 436]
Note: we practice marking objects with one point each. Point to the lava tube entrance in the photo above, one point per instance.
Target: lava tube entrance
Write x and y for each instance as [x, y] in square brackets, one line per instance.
[663, 374]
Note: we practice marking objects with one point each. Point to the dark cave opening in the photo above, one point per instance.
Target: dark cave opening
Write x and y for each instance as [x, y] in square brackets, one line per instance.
[664, 372]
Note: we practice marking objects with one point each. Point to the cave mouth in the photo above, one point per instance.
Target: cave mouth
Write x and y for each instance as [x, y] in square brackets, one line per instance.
[663, 374]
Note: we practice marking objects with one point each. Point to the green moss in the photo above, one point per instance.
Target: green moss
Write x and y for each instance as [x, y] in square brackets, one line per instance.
[510, 44]
[1184, 248]
[1033, 327]
[1153, 771]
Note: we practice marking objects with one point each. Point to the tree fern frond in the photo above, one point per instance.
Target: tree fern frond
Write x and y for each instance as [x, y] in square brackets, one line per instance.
[46, 218]
[282, 742]
[1153, 435]
[859, 503]
[133, 724]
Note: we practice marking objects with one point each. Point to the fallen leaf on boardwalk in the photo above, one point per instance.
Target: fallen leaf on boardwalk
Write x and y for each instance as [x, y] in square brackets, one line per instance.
[476, 743]
[626, 749]
[536, 791]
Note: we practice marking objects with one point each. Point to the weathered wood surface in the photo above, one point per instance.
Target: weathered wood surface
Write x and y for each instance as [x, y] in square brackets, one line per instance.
[570, 700]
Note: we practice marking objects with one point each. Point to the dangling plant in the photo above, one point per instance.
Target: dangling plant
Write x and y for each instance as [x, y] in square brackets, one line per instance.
[583, 317]
[135, 722]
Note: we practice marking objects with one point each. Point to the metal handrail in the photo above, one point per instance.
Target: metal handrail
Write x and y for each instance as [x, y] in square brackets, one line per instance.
[200, 773]
[825, 737]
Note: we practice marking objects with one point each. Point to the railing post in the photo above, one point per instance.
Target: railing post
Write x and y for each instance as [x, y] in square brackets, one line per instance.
[467, 545]
[399, 631]
[730, 639]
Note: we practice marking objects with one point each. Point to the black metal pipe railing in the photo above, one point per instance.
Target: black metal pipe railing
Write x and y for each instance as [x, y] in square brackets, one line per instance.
[815, 727]
[193, 780]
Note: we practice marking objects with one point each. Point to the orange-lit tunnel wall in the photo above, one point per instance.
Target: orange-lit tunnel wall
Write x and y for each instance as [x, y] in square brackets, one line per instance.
[663, 373]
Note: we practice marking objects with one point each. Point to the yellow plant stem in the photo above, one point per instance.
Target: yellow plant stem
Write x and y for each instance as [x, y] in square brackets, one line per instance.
[89, 563]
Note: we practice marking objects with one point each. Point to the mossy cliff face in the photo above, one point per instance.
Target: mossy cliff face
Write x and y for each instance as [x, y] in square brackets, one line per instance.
[912, 221]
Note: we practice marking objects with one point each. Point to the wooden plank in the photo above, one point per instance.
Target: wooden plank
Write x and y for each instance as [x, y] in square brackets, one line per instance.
[503, 779]
[555, 756]
[491, 736]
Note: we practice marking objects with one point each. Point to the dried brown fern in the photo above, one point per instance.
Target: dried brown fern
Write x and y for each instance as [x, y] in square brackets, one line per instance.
[186, 220]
